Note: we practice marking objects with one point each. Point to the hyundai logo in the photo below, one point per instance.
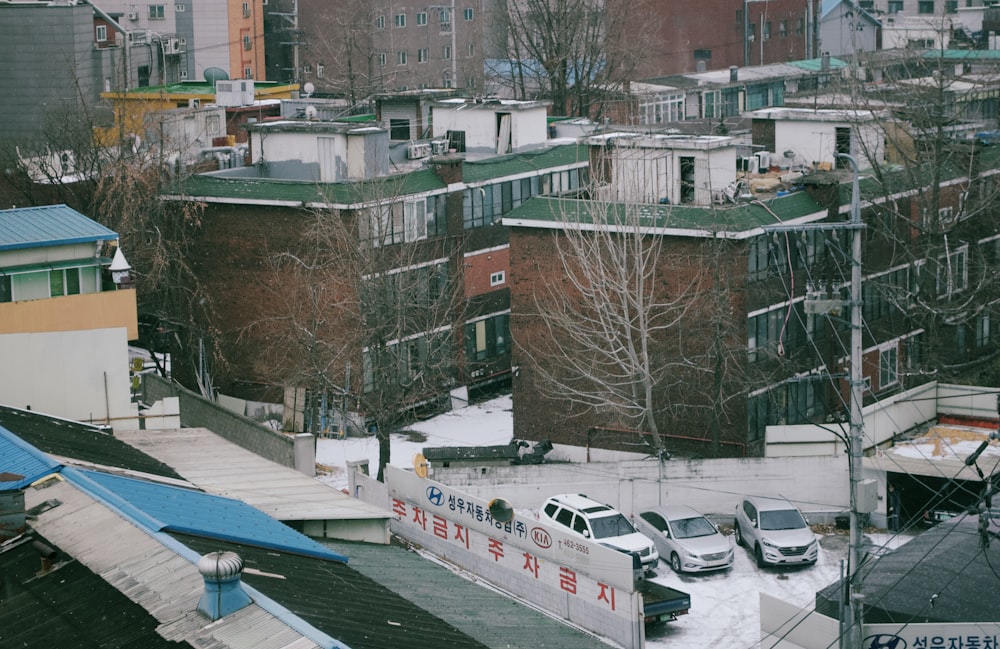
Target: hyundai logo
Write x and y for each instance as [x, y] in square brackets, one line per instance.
[541, 537]
[883, 641]
[435, 496]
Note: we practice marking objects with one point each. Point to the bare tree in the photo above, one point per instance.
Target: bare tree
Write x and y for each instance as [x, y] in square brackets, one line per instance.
[366, 308]
[610, 316]
[574, 52]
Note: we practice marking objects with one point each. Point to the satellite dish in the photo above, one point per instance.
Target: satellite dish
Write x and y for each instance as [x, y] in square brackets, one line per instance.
[308, 88]
[420, 465]
[216, 74]
[501, 510]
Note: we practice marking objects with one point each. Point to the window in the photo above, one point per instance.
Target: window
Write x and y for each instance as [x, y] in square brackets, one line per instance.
[399, 129]
[982, 328]
[468, 13]
[401, 57]
[739, 17]
[951, 6]
[6, 294]
[783, 28]
[953, 274]
[182, 8]
[421, 17]
[415, 220]
[446, 52]
[487, 338]
[766, 34]
[64, 282]
[498, 278]
[156, 12]
[320, 69]
[888, 370]
[247, 43]
[472, 49]
[925, 6]
[753, 33]
[246, 9]
[800, 26]
[307, 69]
[400, 20]
[422, 55]
[248, 72]
[380, 22]
[444, 18]
[381, 59]
[102, 33]
[895, 6]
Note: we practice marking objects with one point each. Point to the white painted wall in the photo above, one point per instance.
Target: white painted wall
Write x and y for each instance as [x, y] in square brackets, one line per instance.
[528, 126]
[815, 141]
[647, 174]
[80, 375]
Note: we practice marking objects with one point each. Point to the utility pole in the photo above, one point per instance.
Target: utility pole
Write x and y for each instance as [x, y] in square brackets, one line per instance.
[862, 495]
[855, 445]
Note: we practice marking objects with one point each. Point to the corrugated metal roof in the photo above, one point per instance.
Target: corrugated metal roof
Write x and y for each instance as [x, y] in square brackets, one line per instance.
[199, 514]
[21, 463]
[164, 580]
[221, 467]
[49, 225]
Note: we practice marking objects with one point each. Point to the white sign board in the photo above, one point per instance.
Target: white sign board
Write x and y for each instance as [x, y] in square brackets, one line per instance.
[582, 582]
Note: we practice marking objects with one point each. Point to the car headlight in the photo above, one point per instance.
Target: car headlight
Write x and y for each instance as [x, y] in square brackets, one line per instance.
[768, 543]
[691, 554]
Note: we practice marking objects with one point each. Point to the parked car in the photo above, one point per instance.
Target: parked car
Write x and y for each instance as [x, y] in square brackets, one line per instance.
[600, 523]
[775, 531]
[686, 539]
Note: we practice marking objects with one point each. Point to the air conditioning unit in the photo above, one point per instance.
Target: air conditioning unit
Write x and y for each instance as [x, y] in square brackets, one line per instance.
[173, 46]
[139, 37]
[439, 146]
[417, 150]
[133, 15]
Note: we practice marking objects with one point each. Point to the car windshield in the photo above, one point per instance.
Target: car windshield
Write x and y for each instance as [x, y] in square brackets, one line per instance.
[688, 528]
[781, 519]
[606, 526]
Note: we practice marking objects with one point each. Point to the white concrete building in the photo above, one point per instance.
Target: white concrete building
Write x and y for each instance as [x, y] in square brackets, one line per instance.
[491, 126]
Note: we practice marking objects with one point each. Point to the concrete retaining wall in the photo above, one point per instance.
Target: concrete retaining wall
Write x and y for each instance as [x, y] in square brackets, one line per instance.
[292, 450]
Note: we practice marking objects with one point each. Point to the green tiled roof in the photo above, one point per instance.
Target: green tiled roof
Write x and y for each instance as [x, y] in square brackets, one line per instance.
[973, 55]
[517, 163]
[197, 88]
[733, 219]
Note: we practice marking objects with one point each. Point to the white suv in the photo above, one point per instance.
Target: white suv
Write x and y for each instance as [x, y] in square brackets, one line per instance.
[600, 523]
[775, 531]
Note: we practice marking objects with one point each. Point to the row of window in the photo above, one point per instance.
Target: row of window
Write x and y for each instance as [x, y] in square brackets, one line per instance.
[38, 285]
[414, 220]
[800, 26]
[407, 360]
[423, 55]
[925, 7]
[443, 16]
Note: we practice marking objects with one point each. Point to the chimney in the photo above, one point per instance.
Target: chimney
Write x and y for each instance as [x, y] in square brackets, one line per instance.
[224, 592]
[47, 553]
[734, 74]
[824, 62]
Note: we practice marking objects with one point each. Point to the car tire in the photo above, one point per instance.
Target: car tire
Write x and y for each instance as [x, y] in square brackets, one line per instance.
[738, 533]
[675, 563]
[759, 556]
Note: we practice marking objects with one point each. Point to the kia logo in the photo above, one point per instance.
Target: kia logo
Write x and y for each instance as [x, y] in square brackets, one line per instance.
[541, 538]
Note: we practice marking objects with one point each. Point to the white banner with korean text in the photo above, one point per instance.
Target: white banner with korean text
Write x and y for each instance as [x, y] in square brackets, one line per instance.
[583, 582]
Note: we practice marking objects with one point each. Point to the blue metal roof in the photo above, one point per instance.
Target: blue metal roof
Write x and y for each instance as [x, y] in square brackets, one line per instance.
[48, 225]
[164, 508]
[21, 463]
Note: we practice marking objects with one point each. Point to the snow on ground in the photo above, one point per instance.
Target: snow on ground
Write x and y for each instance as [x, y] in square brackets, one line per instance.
[724, 606]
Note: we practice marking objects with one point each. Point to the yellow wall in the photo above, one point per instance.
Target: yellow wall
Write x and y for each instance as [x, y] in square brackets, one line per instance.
[106, 310]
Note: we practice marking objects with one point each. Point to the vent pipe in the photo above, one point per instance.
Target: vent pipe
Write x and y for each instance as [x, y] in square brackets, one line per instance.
[734, 74]
[224, 592]
[47, 553]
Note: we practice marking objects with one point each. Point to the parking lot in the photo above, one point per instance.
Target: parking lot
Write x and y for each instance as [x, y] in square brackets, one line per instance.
[725, 606]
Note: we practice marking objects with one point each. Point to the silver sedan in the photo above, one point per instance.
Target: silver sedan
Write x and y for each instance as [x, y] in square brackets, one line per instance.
[686, 539]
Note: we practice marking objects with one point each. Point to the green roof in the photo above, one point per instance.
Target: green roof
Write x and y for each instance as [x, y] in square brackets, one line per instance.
[816, 65]
[745, 218]
[251, 190]
[197, 88]
[961, 55]
[244, 189]
[476, 171]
